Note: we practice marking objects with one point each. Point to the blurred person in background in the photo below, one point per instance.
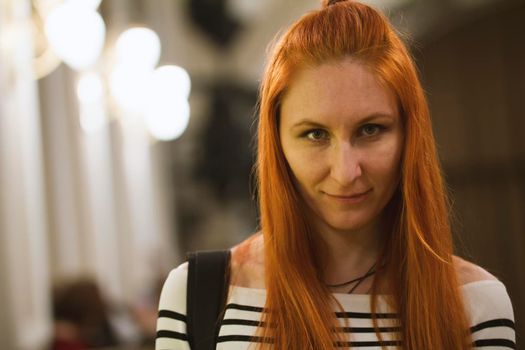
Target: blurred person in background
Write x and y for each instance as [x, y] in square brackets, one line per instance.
[85, 319]
[81, 317]
[354, 219]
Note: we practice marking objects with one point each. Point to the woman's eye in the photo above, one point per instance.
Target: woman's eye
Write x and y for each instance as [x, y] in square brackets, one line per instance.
[316, 135]
[371, 129]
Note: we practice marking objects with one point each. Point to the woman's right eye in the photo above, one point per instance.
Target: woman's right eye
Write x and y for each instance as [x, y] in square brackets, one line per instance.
[316, 135]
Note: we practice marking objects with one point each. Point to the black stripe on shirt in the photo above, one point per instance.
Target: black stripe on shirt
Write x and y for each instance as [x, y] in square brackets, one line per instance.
[499, 322]
[255, 339]
[243, 338]
[358, 344]
[242, 322]
[361, 315]
[172, 335]
[244, 307]
[495, 342]
[368, 329]
[172, 314]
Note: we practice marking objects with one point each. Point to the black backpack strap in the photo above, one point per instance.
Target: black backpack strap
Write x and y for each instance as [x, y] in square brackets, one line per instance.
[208, 282]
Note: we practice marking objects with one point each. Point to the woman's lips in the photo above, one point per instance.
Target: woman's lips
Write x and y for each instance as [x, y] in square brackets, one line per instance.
[352, 198]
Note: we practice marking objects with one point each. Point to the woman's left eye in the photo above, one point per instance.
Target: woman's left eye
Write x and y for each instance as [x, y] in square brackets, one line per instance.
[371, 129]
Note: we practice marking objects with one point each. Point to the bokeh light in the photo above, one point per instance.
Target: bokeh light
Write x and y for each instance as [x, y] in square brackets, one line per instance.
[76, 34]
[90, 93]
[90, 88]
[172, 80]
[128, 86]
[167, 111]
[167, 119]
[138, 47]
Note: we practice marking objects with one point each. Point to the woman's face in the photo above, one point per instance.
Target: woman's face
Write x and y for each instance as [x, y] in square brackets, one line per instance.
[342, 136]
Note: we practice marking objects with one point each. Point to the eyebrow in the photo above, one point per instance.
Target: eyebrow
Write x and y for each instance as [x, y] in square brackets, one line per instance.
[308, 122]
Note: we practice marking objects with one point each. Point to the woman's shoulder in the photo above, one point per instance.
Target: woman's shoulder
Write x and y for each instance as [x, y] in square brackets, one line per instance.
[247, 263]
[247, 270]
[171, 323]
[490, 313]
[486, 299]
[469, 272]
[173, 295]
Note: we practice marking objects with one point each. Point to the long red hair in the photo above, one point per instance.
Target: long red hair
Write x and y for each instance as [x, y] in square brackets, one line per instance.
[417, 252]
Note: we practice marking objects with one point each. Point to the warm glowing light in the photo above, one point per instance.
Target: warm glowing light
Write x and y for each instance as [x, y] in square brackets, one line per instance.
[90, 93]
[160, 95]
[129, 86]
[167, 111]
[90, 88]
[76, 34]
[171, 80]
[138, 47]
[167, 119]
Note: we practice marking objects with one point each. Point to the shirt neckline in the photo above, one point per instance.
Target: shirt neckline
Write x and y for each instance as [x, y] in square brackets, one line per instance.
[463, 286]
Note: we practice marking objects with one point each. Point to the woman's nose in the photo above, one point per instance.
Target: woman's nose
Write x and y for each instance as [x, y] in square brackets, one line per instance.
[345, 164]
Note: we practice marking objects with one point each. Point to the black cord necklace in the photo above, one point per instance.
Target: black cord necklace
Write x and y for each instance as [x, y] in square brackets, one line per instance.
[369, 273]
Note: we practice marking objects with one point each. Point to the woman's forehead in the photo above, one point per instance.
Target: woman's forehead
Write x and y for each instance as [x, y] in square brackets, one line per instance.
[342, 89]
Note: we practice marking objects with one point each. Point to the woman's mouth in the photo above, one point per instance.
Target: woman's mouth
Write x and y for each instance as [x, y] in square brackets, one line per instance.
[352, 198]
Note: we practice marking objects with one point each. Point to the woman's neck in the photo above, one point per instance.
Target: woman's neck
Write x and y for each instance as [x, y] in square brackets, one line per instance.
[350, 254]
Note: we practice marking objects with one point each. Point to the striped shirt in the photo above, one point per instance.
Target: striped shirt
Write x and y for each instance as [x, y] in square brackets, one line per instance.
[487, 303]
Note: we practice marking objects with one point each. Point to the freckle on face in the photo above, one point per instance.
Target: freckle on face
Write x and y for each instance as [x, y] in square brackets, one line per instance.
[338, 97]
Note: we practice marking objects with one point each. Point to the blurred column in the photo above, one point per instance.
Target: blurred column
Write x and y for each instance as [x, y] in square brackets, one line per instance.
[24, 287]
[101, 230]
[83, 203]
[143, 189]
[64, 176]
[139, 236]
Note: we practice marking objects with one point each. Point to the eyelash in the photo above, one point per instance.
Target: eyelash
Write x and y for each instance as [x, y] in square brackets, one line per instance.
[307, 134]
[379, 128]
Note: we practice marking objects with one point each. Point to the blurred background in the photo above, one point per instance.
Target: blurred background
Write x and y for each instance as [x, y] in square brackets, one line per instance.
[126, 140]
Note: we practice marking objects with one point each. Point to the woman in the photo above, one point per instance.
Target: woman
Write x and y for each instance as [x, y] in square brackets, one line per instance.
[353, 208]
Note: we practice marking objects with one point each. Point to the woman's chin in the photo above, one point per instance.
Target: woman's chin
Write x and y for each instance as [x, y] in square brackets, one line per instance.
[346, 225]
